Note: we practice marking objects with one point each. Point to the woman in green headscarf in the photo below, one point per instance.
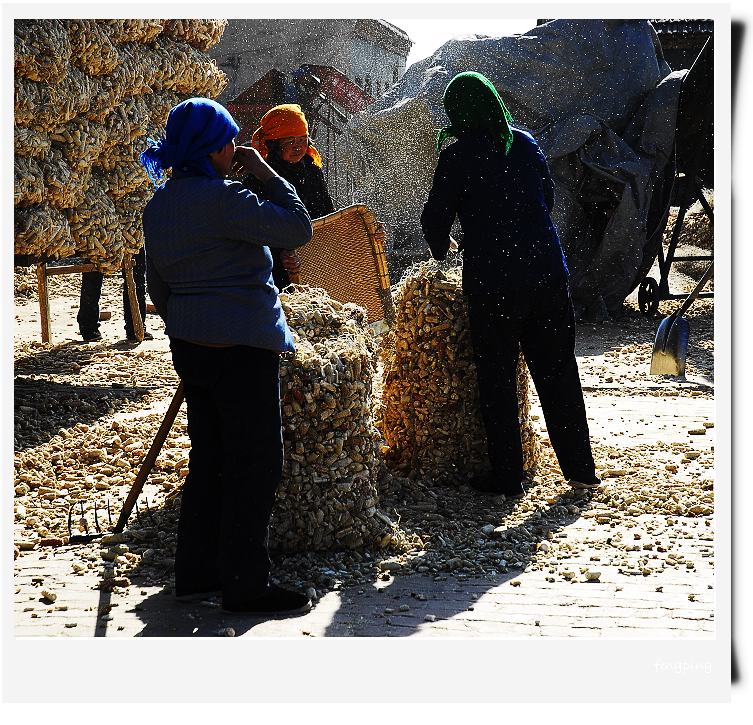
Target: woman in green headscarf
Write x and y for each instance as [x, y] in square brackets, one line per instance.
[495, 179]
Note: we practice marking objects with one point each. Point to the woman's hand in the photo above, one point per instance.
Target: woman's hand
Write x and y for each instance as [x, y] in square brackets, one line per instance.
[248, 160]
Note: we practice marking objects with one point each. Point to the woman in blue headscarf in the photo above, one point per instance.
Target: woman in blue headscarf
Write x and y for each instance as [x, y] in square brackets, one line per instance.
[495, 179]
[209, 272]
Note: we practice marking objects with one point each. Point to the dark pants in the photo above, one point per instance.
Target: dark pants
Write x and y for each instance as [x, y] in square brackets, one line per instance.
[541, 323]
[235, 466]
[91, 290]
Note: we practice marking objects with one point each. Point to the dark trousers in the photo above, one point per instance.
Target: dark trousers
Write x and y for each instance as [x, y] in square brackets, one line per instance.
[91, 291]
[541, 323]
[235, 467]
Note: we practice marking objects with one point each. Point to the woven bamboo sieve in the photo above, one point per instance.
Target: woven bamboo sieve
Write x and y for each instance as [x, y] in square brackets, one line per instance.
[346, 259]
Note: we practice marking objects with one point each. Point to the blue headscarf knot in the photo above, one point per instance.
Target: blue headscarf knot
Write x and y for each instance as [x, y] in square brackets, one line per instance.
[195, 128]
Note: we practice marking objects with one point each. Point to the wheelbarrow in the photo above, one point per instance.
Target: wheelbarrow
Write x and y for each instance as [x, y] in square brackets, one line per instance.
[671, 344]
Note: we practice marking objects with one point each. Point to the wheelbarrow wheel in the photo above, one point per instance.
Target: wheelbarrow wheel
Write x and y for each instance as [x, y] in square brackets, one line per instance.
[648, 296]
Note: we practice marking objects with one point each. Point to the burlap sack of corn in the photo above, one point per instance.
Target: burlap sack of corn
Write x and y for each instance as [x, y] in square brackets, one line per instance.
[66, 187]
[41, 230]
[125, 178]
[45, 106]
[28, 181]
[158, 107]
[80, 141]
[30, 142]
[42, 50]
[328, 496]
[96, 228]
[201, 34]
[133, 31]
[191, 71]
[92, 49]
[429, 411]
[127, 121]
[139, 71]
[130, 209]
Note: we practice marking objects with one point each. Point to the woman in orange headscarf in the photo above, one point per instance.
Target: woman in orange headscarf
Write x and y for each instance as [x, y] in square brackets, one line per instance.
[283, 141]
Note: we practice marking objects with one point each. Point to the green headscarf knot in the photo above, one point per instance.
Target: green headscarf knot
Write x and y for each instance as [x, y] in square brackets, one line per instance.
[473, 105]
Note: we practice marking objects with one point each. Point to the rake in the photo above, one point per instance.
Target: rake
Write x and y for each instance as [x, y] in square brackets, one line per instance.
[136, 488]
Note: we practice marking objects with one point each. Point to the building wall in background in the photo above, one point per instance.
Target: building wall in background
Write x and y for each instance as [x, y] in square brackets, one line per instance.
[366, 51]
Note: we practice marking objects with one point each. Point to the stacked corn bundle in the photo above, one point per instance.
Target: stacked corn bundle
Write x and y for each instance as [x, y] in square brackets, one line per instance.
[87, 93]
[328, 495]
[429, 412]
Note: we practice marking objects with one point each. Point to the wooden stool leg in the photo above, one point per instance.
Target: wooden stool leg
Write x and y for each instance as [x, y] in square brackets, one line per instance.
[138, 323]
[44, 301]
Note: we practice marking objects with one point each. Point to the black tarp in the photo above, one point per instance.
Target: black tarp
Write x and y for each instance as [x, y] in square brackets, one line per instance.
[602, 103]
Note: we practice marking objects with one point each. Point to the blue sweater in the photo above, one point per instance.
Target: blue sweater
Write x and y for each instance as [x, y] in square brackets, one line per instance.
[503, 204]
[209, 268]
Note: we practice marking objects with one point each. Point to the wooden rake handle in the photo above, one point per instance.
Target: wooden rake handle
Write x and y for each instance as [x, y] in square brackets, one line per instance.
[151, 457]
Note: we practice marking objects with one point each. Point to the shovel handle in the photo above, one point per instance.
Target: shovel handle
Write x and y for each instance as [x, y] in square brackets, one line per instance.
[696, 291]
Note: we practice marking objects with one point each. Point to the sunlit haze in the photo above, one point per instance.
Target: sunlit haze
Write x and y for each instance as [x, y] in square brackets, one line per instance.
[429, 34]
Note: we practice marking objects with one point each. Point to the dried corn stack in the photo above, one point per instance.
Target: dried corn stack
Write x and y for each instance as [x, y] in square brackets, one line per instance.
[129, 209]
[45, 106]
[126, 122]
[66, 188]
[201, 34]
[86, 94]
[191, 72]
[96, 228]
[80, 141]
[429, 414]
[42, 50]
[133, 31]
[28, 181]
[328, 496]
[28, 142]
[158, 106]
[92, 49]
[42, 230]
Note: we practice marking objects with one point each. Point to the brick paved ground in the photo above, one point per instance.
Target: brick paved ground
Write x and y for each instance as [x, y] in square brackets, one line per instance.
[674, 599]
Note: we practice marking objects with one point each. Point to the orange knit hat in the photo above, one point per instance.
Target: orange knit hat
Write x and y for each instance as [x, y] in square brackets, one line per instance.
[283, 121]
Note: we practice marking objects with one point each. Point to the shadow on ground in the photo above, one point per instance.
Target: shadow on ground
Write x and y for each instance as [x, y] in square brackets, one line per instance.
[42, 407]
[362, 609]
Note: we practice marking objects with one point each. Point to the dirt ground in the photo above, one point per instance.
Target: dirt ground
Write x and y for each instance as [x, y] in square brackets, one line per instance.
[631, 559]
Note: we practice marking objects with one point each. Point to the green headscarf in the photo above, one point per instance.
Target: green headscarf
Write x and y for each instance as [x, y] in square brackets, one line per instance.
[472, 105]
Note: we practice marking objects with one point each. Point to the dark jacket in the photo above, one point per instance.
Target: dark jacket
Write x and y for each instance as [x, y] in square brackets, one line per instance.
[503, 204]
[308, 181]
[208, 265]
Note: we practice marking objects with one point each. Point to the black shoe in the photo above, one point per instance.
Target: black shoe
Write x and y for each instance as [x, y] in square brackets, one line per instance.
[275, 602]
[198, 596]
[91, 336]
[487, 483]
[585, 485]
[132, 337]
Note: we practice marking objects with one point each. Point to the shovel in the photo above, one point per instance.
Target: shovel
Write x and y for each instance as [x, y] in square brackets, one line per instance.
[671, 344]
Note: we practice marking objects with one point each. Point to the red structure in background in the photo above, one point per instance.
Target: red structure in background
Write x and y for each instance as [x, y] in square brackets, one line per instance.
[323, 93]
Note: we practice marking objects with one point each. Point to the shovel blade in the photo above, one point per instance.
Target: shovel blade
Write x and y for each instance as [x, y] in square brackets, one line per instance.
[670, 347]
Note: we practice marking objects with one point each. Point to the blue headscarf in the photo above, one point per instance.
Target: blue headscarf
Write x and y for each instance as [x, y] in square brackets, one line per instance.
[195, 128]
